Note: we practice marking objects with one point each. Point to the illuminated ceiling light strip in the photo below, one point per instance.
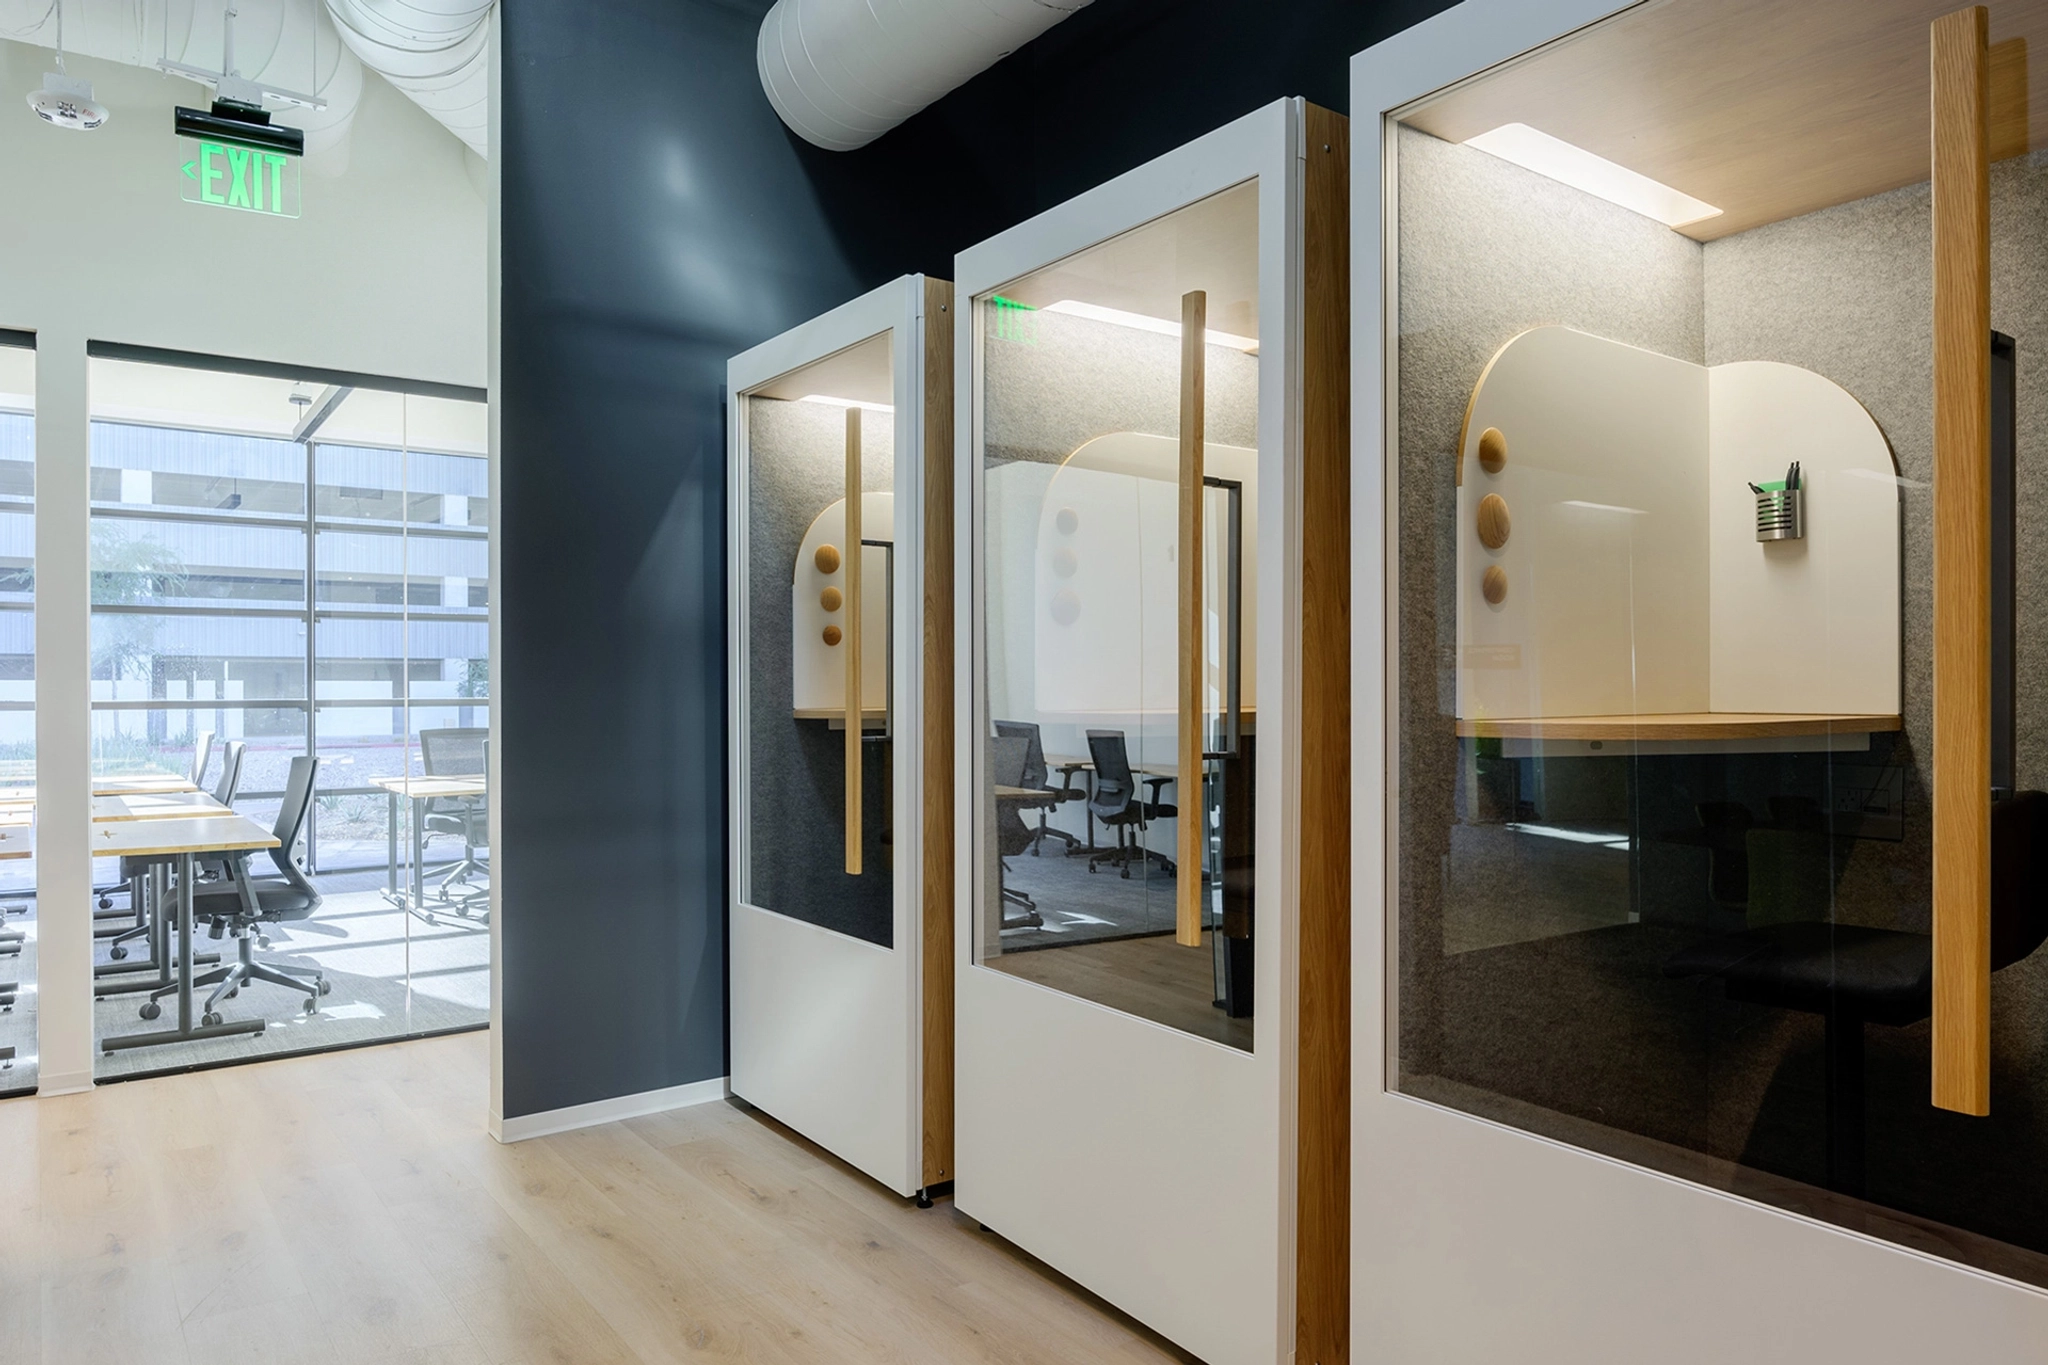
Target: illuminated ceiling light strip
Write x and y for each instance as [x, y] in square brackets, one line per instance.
[1096, 312]
[831, 402]
[1596, 175]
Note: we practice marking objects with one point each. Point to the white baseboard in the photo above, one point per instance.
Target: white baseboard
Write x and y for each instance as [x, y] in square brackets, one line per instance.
[63, 1082]
[525, 1126]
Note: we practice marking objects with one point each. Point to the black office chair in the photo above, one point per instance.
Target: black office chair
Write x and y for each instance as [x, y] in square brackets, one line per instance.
[1114, 800]
[134, 870]
[1007, 764]
[241, 904]
[1035, 775]
[458, 752]
[1851, 975]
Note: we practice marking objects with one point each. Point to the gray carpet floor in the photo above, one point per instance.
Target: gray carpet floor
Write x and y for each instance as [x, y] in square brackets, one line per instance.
[1083, 907]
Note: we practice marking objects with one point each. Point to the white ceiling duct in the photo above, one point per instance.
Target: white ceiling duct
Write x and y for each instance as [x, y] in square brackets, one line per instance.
[843, 72]
[285, 43]
[436, 51]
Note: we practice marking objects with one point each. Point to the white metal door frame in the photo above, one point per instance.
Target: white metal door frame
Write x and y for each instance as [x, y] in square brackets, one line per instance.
[1154, 1167]
[1475, 1241]
[827, 1029]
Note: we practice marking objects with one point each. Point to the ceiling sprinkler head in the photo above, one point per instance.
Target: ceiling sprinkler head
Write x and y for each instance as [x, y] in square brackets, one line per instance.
[67, 102]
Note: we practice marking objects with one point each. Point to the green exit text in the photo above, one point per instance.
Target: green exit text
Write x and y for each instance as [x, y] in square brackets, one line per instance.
[242, 178]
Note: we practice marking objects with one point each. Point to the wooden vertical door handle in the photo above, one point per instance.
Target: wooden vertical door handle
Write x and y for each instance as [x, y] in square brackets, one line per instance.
[854, 603]
[1193, 819]
[1960, 67]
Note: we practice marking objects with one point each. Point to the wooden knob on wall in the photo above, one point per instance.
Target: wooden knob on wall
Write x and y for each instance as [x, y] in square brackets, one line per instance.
[828, 559]
[830, 599]
[1493, 521]
[1493, 584]
[1493, 450]
[831, 635]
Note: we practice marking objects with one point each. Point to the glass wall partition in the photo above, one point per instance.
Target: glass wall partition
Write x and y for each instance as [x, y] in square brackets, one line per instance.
[1112, 673]
[1715, 738]
[286, 570]
[17, 710]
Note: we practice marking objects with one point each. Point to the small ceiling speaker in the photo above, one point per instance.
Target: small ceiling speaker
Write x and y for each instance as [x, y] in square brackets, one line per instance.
[67, 102]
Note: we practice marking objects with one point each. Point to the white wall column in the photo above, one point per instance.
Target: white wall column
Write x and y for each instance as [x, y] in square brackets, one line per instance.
[63, 714]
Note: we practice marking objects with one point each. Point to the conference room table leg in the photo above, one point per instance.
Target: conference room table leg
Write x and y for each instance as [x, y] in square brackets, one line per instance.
[186, 1031]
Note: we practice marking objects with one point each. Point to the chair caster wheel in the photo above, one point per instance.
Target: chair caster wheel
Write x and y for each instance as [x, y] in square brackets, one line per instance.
[150, 1009]
[232, 994]
[312, 1005]
[325, 985]
[117, 952]
[262, 943]
[1091, 869]
[209, 1019]
[106, 903]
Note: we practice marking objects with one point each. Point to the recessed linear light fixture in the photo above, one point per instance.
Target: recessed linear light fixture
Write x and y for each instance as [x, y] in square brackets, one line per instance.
[1096, 312]
[832, 402]
[1596, 175]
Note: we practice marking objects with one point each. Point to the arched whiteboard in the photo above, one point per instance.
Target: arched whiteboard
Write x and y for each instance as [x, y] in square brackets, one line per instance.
[819, 681]
[1635, 583]
[1105, 611]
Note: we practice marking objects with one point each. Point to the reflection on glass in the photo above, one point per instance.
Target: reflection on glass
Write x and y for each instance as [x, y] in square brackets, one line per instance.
[253, 538]
[1092, 810]
[812, 437]
[1665, 768]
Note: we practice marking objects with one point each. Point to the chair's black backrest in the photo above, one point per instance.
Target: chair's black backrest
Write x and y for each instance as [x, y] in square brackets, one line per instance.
[1034, 750]
[1006, 758]
[225, 790]
[202, 750]
[1114, 786]
[291, 820]
[454, 752]
[2019, 877]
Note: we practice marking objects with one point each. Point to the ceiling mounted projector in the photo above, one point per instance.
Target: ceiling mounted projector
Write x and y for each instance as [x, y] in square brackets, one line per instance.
[67, 102]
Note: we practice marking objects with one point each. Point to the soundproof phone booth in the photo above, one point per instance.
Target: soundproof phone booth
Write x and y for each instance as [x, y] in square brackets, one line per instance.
[1700, 866]
[1150, 449]
[840, 542]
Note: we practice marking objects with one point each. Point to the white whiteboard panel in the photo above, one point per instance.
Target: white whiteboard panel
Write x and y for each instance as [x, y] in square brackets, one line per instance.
[820, 681]
[1606, 487]
[1810, 624]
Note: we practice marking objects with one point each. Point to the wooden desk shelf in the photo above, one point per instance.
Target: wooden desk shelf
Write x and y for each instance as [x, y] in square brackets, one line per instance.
[1676, 725]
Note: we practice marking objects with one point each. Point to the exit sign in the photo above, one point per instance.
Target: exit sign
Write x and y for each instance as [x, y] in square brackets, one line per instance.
[254, 179]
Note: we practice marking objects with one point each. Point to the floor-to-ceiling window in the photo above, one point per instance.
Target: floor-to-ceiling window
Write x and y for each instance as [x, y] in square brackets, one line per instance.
[17, 710]
[298, 568]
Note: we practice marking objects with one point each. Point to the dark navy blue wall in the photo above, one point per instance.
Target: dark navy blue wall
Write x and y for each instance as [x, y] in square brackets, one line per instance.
[657, 219]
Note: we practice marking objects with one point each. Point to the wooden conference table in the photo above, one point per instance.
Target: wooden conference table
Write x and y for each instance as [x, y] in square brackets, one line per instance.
[417, 792]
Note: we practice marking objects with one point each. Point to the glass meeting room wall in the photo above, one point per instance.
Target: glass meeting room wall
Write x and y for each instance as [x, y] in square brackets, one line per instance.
[17, 706]
[1679, 762]
[285, 568]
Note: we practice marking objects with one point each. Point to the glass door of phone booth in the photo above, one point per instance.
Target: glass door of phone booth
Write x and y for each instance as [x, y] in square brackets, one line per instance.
[1715, 828]
[839, 1020]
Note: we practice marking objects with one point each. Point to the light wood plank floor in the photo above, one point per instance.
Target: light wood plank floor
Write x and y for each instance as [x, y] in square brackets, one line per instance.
[349, 1209]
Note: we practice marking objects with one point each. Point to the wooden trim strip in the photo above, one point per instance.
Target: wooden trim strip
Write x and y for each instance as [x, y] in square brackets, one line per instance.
[938, 732]
[853, 614]
[1322, 1196]
[1194, 334]
[1960, 58]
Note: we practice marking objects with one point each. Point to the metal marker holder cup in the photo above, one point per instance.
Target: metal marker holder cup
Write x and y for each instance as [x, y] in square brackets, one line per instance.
[1780, 513]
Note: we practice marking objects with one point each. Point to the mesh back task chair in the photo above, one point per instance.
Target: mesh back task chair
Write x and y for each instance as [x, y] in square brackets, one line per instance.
[1035, 775]
[134, 870]
[1007, 766]
[458, 752]
[1851, 975]
[1114, 800]
[241, 905]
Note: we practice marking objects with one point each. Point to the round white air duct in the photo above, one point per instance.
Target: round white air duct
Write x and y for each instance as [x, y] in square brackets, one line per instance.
[436, 51]
[843, 72]
[285, 43]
